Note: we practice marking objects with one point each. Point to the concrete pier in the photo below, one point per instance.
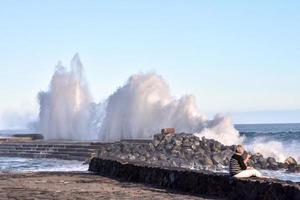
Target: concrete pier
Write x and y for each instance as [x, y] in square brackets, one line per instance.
[67, 150]
[198, 182]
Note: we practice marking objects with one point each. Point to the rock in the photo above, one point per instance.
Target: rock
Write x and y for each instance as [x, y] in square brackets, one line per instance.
[205, 146]
[282, 165]
[162, 157]
[167, 131]
[226, 154]
[150, 147]
[294, 168]
[271, 160]
[207, 161]
[217, 159]
[131, 157]
[147, 155]
[156, 143]
[215, 146]
[123, 157]
[194, 147]
[233, 147]
[200, 151]
[175, 152]
[169, 146]
[290, 161]
[186, 143]
[187, 151]
[168, 138]
[176, 141]
[158, 137]
[142, 158]
[272, 164]
[174, 163]
[259, 161]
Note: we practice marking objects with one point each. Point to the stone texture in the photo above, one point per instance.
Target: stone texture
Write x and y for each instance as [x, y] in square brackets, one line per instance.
[290, 161]
[81, 151]
[171, 150]
[204, 183]
[184, 150]
[294, 168]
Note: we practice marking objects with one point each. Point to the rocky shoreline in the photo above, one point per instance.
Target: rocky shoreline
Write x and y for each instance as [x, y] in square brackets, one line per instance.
[185, 151]
[186, 163]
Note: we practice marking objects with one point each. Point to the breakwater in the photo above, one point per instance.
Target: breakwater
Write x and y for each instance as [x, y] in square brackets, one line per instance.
[198, 182]
[66, 150]
[185, 151]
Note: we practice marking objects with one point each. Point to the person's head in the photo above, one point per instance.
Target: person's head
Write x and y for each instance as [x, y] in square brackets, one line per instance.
[240, 149]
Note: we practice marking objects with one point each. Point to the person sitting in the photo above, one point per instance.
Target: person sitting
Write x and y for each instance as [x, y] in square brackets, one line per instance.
[238, 165]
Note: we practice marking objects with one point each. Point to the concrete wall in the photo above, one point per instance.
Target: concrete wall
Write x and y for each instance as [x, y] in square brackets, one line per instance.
[49, 149]
[204, 183]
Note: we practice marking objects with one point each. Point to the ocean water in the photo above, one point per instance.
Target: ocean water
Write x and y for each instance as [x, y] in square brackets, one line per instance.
[12, 164]
[276, 140]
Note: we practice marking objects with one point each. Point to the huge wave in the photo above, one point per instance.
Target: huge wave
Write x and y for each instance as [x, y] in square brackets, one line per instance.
[137, 110]
[64, 108]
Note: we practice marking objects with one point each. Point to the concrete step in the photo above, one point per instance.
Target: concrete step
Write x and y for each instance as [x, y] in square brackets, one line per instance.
[50, 156]
[41, 149]
[63, 151]
[74, 153]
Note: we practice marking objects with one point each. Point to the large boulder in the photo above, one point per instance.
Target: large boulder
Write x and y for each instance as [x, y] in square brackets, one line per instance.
[294, 168]
[272, 164]
[290, 161]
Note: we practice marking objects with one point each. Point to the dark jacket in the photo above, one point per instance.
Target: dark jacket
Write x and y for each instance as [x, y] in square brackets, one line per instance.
[236, 164]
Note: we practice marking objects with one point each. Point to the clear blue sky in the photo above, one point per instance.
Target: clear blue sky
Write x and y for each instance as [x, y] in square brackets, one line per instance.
[236, 57]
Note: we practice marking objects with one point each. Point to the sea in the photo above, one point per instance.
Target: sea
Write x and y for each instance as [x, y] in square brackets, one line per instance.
[276, 140]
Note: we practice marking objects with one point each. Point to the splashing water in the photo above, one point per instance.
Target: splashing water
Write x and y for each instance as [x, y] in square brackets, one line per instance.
[144, 105]
[276, 149]
[64, 109]
[137, 110]
[222, 130]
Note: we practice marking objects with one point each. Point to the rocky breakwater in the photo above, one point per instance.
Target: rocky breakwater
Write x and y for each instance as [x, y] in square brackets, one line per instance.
[185, 151]
[185, 163]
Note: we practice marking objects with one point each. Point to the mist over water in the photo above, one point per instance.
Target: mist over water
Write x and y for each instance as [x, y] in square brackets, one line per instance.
[144, 105]
[64, 108]
[137, 110]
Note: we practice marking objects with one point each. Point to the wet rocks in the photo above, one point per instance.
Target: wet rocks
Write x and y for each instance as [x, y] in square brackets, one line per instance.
[294, 168]
[170, 150]
[186, 151]
[292, 165]
[290, 161]
[272, 164]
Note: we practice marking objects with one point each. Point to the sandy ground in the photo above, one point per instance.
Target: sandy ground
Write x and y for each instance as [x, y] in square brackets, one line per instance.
[75, 185]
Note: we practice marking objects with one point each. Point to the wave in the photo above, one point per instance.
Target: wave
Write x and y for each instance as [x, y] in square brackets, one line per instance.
[138, 110]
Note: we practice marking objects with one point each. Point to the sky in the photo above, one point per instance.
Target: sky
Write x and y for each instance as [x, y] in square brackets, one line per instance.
[240, 58]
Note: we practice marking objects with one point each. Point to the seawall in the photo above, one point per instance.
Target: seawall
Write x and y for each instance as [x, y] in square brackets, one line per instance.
[195, 182]
[66, 150]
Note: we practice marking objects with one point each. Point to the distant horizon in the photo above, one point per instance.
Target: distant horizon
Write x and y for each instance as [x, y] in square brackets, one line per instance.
[266, 123]
[27, 129]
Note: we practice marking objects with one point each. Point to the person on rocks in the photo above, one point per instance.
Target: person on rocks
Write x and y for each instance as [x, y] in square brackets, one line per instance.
[238, 165]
